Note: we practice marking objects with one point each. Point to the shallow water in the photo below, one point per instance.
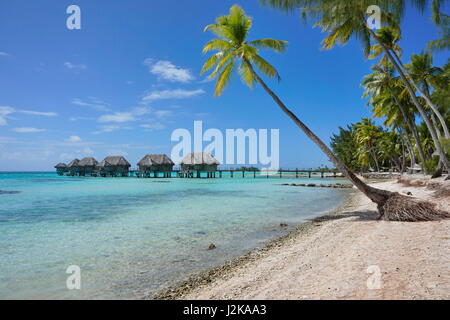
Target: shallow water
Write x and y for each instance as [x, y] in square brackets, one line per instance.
[132, 236]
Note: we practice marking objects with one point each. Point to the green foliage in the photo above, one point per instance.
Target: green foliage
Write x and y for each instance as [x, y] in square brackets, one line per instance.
[235, 52]
[365, 145]
[344, 146]
[430, 165]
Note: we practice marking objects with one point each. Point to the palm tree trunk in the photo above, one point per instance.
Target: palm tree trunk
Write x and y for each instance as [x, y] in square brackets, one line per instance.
[411, 126]
[374, 157]
[407, 142]
[376, 195]
[426, 95]
[436, 127]
[414, 99]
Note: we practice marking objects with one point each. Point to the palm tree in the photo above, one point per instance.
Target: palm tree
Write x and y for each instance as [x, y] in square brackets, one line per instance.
[236, 52]
[424, 73]
[384, 91]
[442, 21]
[343, 19]
[367, 135]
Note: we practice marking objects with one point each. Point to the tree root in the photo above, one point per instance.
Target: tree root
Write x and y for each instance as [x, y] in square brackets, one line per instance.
[402, 208]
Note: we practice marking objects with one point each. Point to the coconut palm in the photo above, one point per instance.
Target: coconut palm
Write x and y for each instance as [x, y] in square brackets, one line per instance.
[342, 19]
[236, 53]
[390, 37]
[384, 91]
[442, 21]
[425, 74]
[367, 135]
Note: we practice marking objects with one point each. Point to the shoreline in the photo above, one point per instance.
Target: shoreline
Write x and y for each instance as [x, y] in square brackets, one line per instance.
[181, 288]
[328, 256]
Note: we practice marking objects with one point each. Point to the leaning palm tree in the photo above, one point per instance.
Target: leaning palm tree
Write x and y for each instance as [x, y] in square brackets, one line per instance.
[236, 52]
[383, 89]
[343, 19]
[425, 75]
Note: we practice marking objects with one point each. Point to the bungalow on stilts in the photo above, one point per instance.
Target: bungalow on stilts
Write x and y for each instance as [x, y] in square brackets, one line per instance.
[198, 162]
[155, 163]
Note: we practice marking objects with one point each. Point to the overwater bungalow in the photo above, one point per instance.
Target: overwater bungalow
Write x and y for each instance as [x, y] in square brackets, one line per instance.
[87, 166]
[155, 163]
[199, 162]
[114, 166]
[73, 168]
[61, 168]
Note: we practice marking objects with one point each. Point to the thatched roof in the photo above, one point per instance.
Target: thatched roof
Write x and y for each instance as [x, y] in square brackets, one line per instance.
[155, 160]
[61, 165]
[114, 161]
[73, 163]
[199, 158]
[87, 162]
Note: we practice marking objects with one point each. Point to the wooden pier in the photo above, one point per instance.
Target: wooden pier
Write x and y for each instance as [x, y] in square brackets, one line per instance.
[236, 174]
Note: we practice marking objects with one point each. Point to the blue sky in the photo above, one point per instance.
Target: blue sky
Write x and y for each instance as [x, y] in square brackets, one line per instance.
[130, 76]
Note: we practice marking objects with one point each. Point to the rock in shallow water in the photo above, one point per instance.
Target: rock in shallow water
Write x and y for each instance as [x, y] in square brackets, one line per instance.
[9, 192]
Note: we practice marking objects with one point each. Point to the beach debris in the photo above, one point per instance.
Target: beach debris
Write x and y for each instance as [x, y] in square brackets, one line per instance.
[401, 208]
[211, 246]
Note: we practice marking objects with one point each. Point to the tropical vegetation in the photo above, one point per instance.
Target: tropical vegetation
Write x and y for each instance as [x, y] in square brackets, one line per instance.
[234, 52]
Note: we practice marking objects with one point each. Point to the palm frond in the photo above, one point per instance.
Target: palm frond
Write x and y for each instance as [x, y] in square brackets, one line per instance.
[265, 67]
[224, 78]
[274, 44]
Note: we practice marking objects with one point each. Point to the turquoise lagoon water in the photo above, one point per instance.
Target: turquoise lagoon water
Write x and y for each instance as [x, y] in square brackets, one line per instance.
[132, 236]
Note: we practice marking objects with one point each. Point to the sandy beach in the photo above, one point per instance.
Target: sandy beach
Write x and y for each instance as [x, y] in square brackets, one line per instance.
[344, 255]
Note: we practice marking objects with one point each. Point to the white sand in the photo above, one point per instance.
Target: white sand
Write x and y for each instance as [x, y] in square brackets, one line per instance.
[331, 261]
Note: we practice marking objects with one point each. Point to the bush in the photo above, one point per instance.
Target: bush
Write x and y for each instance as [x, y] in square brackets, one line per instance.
[430, 165]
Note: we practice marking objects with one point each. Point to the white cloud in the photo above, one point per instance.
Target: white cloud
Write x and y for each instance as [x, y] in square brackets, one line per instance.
[111, 128]
[28, 130]
[87, 151]
[4, 54]
[121, 117]
[171, 94]
[163, 113]
[166, 70]
[94, 103]
[38, 113]
[73, 139]
[4, 112]
[75, 67]
[153, 126]
[81, 118]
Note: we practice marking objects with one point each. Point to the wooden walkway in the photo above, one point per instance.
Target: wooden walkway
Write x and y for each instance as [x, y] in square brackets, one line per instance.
[296, 173]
